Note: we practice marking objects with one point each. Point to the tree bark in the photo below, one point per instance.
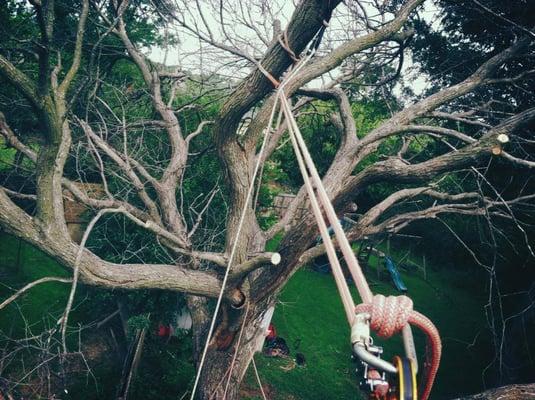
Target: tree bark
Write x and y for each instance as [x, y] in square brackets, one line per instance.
[511, 392]
[223, 360]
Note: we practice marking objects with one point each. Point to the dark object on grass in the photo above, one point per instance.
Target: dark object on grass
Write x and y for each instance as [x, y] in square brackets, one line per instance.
[276, 348]
[300, 359]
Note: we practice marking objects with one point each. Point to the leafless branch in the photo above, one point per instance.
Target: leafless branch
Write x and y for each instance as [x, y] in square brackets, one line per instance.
[27, 287]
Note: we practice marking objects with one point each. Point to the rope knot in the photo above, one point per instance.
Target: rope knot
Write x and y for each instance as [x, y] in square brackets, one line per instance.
[388, 314]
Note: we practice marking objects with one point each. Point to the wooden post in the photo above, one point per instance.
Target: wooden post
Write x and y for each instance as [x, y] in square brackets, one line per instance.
[135, 361]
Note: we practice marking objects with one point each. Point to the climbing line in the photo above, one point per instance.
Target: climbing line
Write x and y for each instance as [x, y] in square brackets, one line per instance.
[280, 86]
[231, 367]
[347, 299]
[258, 379]
[233, 251]
[228, 372]
[302, 152]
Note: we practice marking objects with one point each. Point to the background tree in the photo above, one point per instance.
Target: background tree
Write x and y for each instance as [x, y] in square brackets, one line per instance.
[83, 114]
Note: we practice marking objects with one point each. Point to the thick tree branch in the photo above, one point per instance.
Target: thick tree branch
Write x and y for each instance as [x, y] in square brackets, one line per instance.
[94, 270]
[197, 131]
[395, 170]
[327, 63]
[14, 141]
[518, 161]
[349, 129]
[430, 103]
[259, 261]
[511, 392]
[18, 195]
[437, 130]
[21, 82]
[399, 222]
[458, 118]
[45, 20]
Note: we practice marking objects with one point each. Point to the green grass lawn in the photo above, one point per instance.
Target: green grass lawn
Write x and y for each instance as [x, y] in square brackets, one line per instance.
[310, 315]
[20, 264]
[40, 307]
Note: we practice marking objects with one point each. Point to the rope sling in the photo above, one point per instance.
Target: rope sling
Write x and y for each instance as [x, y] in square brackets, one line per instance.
[388, 315]
[384, 315]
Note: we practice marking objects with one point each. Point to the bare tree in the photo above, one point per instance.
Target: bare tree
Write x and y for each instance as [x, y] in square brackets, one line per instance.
[358, 37]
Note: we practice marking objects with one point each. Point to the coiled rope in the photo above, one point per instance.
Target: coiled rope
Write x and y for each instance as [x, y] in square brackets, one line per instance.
[389, 315]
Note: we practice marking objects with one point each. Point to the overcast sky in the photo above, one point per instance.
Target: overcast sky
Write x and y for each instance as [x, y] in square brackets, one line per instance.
[195, 56]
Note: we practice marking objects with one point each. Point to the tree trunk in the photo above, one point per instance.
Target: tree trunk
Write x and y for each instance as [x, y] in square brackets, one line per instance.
[511, 392]
[214, 383]
[200, 319]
